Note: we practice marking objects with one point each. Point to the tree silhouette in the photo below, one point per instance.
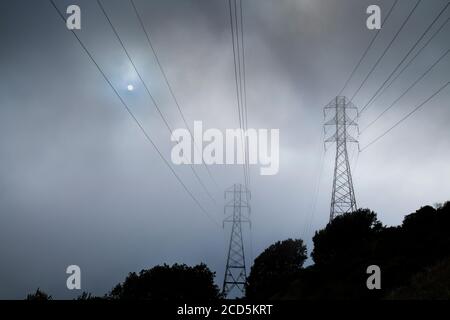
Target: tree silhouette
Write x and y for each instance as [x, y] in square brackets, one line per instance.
[342, 252]
[275, 268]
[87, 296]
[351, 242]
[431, 284]
[177, 282]
[39, 296]
[347, 236]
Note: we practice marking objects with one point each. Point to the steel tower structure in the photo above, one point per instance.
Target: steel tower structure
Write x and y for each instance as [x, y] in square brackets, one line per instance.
[343, 195]
[237, 211]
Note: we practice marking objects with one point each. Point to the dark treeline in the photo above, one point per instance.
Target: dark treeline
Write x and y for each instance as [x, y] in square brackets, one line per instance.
[414, 259]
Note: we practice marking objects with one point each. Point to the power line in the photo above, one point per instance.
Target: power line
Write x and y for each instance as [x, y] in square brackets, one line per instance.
[383, 54]
[237, 37]
[149, 94]
[310, 220]
[243, 63]
[133, 117]
[245, 88]
[405, 117]
[239, 43]
[169, 86]
[355, 163]
[237, 76]
[245, 118]
[407, 90]
[405, 57]
[320, 167]
[411, 60]
[367, 49]
[252, 257]
[386, 50]
[241, 94]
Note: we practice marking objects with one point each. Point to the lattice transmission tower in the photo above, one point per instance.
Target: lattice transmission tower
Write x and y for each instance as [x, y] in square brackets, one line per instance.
[237, 211]
[343, 195]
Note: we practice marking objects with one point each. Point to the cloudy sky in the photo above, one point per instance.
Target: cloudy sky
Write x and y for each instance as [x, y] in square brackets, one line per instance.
[81, 185]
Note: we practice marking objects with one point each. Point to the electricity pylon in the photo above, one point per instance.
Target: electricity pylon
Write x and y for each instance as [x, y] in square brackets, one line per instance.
[235, 272]
[343, 195]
